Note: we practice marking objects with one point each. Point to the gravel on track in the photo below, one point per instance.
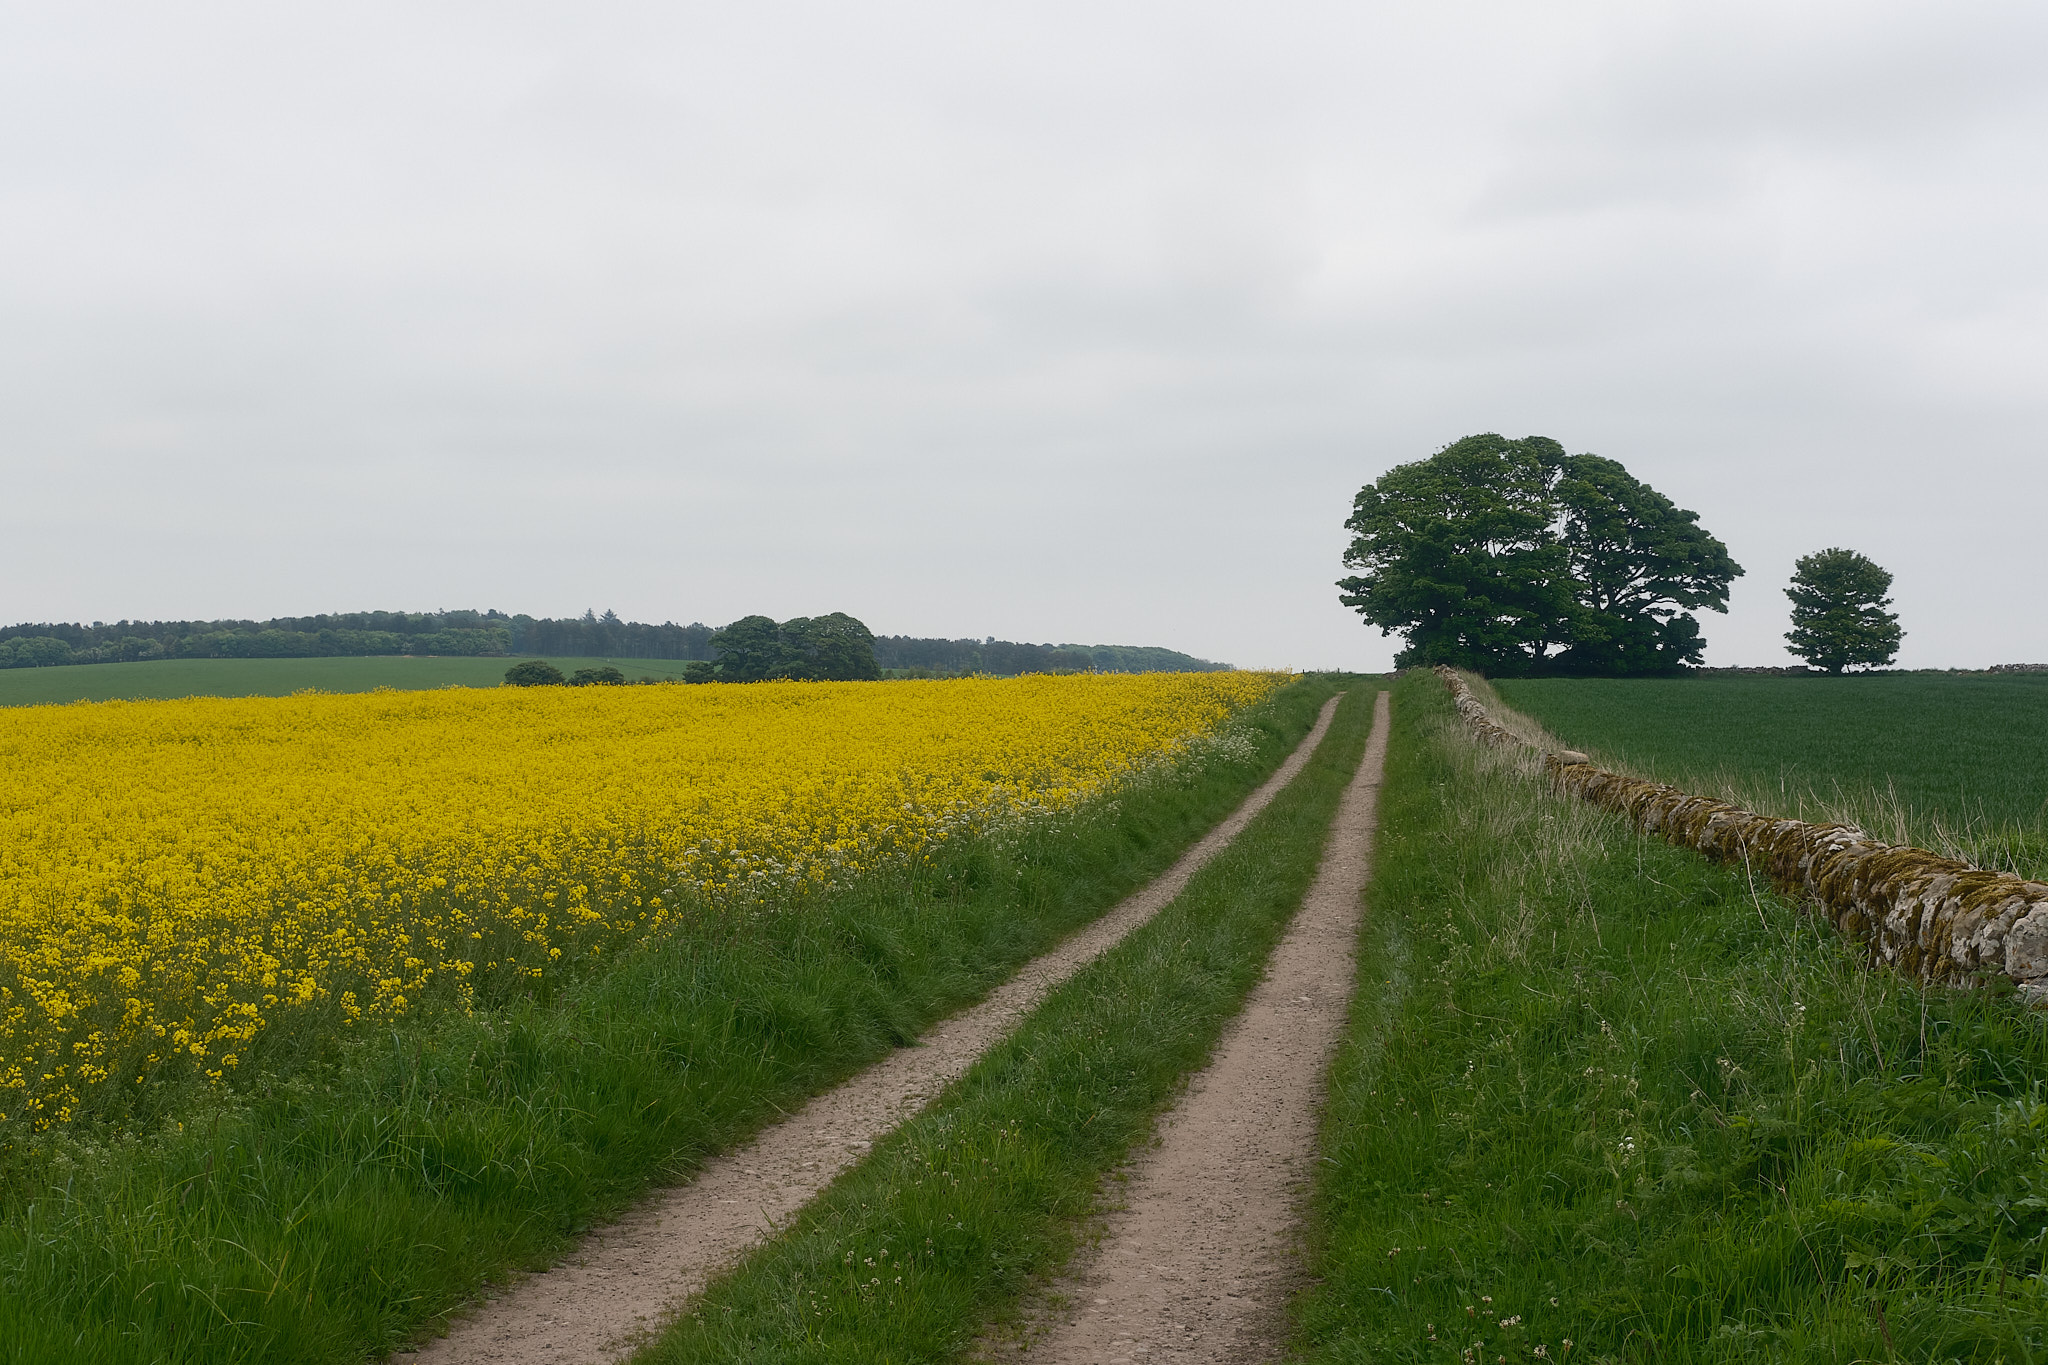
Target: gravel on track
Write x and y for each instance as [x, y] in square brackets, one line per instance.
[627, 1279]
[1198, 1262]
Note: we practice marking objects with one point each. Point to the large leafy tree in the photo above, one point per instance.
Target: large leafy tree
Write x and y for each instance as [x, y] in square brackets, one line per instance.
[1458, 554]
[1838, 612]
[833, 647]
[1640, 565]
[1515, 557]
[749, 650]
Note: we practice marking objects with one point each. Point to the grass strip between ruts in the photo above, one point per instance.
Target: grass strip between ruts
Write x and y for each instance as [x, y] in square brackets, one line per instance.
[940, 1229]
[332, 1212]
[1604, 1100]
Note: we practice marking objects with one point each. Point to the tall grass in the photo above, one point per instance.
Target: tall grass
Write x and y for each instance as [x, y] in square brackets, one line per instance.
[1955, 764]
[950, 1219]
[334, 1210]
[1604, 1100]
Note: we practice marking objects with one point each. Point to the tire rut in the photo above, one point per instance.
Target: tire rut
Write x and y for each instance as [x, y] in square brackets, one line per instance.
[626, 1280]
[1197, 1264]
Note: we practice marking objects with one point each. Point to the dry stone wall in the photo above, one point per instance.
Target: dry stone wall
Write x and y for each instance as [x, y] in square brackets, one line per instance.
[1935, 918]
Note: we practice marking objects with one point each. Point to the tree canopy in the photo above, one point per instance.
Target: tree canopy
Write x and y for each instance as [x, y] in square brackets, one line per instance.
[1514, 557]
[1838, 612]
[1006, 658]
[533, 673]
[833, 647]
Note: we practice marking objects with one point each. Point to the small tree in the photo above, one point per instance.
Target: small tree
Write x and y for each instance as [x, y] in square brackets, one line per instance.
[533, 673]
[597, 677]
[1838, 612]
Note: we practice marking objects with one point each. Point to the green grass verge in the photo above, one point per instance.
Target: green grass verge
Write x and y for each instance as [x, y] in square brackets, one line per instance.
[952, 1217]
[335, 1210]
[1957, 764]
[279, 677]
[1599, 1090]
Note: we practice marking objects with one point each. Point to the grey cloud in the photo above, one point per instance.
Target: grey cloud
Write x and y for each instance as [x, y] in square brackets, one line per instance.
[1052, 321]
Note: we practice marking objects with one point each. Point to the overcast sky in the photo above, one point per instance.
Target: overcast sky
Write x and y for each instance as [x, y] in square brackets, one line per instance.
[1046, 321]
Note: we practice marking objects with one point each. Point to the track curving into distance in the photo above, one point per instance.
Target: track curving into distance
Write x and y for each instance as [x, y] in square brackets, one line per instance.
[1198, 1263]
[626, 1280]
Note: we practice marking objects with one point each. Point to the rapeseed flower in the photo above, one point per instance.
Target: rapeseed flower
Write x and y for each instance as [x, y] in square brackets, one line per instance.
[178, 876]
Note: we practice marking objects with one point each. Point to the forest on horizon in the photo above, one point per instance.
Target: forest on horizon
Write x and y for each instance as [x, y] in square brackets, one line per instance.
[492, 633]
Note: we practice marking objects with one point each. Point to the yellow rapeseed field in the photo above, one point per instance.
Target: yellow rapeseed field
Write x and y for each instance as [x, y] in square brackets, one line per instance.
[176, 876]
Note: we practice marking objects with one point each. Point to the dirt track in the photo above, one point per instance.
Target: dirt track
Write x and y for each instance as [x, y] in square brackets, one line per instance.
[625, 1280]
[1197, 1264]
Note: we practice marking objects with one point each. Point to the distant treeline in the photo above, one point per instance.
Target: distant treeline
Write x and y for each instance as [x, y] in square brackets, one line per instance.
[607, 637]
[355, 633]
[1005, 658]
[484, 633]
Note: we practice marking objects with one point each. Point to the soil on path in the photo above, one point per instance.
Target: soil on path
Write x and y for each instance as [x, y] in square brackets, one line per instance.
[625, 1280]
[1198, 1263]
